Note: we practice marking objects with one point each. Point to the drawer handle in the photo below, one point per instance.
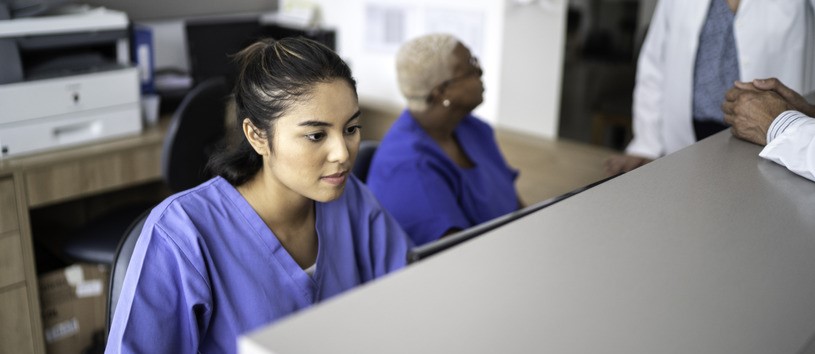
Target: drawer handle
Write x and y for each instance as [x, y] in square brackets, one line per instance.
[77, 131]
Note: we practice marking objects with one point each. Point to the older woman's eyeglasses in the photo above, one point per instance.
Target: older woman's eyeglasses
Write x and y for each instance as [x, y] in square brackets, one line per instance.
[473, 70]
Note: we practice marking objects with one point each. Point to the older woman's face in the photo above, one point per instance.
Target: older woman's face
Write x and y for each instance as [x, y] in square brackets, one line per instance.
[465, 89]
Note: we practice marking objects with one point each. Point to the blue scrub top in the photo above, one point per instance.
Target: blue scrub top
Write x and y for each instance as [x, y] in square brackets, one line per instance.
[206, 268]
[427, 192]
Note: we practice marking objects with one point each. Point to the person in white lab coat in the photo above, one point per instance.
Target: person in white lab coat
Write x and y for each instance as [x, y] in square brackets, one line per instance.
[766, 112]
[689, 60]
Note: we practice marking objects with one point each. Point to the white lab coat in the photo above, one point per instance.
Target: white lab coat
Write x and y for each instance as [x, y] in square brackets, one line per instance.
[794, 148]
[774, 38]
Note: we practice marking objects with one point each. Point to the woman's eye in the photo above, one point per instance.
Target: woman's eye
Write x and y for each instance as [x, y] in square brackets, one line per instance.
[315, 136]
[352, 129]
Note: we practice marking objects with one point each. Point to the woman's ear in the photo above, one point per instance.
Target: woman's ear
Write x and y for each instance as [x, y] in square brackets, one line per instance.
[256, 137]
[436, 94]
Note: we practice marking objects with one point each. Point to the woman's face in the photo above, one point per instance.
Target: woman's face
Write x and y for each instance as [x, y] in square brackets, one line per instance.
[315, 143]
[465, 88]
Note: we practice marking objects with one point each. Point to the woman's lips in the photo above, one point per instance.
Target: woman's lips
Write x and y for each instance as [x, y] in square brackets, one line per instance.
[335, 179]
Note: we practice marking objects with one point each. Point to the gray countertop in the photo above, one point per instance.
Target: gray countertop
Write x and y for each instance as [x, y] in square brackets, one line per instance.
[708, 250]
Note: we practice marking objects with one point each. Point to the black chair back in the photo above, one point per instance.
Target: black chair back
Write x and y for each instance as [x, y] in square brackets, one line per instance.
[367, 148]
[121, 259]
[197, 126]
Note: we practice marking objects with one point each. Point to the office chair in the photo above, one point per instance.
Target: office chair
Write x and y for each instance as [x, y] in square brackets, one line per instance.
[367, 148]
[121, 259]
[194, 133]
[196, 127]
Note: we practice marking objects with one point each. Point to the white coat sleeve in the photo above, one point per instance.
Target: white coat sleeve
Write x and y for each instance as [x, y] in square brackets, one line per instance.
[648, 91]
[791, 143]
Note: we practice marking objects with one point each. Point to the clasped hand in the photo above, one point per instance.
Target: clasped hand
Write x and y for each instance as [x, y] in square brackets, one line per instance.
[750, 107]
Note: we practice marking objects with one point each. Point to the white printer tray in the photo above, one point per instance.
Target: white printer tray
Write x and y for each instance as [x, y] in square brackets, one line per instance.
[70, 129]
[51, 113]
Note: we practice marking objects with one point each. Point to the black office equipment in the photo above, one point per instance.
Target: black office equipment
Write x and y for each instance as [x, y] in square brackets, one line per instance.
[212, 42]
[421, 252]
[324, 36]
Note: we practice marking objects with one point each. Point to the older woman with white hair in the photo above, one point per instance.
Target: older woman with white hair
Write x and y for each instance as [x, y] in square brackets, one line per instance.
[439, 170]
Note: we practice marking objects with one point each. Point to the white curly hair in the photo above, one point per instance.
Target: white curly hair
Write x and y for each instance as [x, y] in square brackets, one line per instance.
[422, 64]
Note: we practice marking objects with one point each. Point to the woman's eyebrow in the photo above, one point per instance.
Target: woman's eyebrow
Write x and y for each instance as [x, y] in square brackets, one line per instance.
[319, 123]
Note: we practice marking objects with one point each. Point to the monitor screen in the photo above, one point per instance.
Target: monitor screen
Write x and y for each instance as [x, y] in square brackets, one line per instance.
[211, 43]
[432, 248]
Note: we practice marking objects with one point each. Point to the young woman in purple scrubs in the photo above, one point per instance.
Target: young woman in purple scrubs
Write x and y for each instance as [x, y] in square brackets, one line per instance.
[284, 225]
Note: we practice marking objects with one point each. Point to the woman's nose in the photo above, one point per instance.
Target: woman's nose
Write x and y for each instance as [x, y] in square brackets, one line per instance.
[338, 151]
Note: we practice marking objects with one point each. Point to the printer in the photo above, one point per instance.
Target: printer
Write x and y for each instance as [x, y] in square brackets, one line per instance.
[65, 76]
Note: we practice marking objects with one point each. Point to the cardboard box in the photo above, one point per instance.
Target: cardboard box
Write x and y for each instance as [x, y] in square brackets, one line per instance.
[73, 301]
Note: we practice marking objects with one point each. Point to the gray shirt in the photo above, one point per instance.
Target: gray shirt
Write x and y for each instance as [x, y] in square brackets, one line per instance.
[717, 63]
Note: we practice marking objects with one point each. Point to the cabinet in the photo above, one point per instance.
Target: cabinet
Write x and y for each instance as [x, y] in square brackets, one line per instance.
[16, 335]
[48, 178]
[17, 315]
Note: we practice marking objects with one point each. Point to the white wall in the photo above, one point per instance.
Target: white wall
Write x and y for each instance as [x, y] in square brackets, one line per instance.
[532, 67]
[520, 48]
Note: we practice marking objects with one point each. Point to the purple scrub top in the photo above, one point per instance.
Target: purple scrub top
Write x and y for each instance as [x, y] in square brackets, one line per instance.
[207, 269]
[427, 192]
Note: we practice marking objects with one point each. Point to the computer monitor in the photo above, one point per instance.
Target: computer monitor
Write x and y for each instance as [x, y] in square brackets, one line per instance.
[325, 36]
[212, 42]
[424, 251]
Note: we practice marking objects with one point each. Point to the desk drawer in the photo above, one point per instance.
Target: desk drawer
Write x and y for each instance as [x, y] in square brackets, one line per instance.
[8, 207]
[11, 260]
[69, 180]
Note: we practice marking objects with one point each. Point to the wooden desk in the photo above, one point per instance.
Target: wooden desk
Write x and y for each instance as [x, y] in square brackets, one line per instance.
[708, 250]
[45, 179]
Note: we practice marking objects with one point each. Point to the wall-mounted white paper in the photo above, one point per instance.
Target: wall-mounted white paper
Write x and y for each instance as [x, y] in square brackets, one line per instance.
[385, 27]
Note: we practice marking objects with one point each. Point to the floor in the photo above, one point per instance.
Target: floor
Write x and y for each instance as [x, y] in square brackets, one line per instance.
[549, 168]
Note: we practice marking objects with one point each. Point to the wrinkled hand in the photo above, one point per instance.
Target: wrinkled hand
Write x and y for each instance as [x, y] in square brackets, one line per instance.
[623, 163]
[794, 100]
[750, 111]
